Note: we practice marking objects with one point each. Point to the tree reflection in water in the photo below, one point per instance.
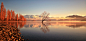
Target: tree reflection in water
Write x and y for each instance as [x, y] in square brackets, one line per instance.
[45, 28]
[9, 31]
[37, 24]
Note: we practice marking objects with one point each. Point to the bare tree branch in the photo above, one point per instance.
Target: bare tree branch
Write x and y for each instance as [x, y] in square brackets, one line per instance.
[44, 16]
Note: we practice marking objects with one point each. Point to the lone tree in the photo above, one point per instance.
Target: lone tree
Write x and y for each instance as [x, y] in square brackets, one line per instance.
[44, 16]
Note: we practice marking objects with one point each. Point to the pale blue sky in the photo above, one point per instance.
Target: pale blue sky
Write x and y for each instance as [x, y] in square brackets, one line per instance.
[57, 8]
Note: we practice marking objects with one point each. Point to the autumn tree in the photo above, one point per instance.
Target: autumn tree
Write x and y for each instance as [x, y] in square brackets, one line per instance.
[4, 14]
[16, 17]
[2, 7]
[10, 15]
[13, 15]
[22, 17]
[7, 14]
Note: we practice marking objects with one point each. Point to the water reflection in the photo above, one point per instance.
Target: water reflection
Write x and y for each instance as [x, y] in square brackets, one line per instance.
[34, 30]
[77, 24]
[16, 24]
[9, 31]
[45, 26]
[35, 24]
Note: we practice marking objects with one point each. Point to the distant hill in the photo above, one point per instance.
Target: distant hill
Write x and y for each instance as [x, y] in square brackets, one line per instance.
[75, 16]
[85, 16]
[31, 16]
[68, 18]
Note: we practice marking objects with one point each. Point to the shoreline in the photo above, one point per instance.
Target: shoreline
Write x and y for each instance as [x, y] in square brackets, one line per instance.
[12, 21]
[44, 21]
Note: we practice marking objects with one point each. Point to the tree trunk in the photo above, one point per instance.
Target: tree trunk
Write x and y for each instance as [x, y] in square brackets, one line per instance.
[42, 21]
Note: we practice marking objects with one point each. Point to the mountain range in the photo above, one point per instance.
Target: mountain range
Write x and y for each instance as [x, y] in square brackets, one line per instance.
[72, 17]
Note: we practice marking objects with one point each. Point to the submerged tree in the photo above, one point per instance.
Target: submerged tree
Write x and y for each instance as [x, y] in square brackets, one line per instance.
[44, 16]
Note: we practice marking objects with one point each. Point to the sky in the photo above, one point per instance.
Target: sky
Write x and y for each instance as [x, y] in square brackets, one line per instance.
[56, 8]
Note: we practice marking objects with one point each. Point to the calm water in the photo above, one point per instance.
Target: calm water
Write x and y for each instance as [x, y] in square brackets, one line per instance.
[35, 30]
[52, 31]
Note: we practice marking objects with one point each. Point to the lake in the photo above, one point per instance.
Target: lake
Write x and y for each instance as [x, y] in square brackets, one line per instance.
[50, 30]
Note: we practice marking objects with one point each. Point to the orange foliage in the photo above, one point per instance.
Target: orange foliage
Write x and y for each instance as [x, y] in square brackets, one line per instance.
[10, 15]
